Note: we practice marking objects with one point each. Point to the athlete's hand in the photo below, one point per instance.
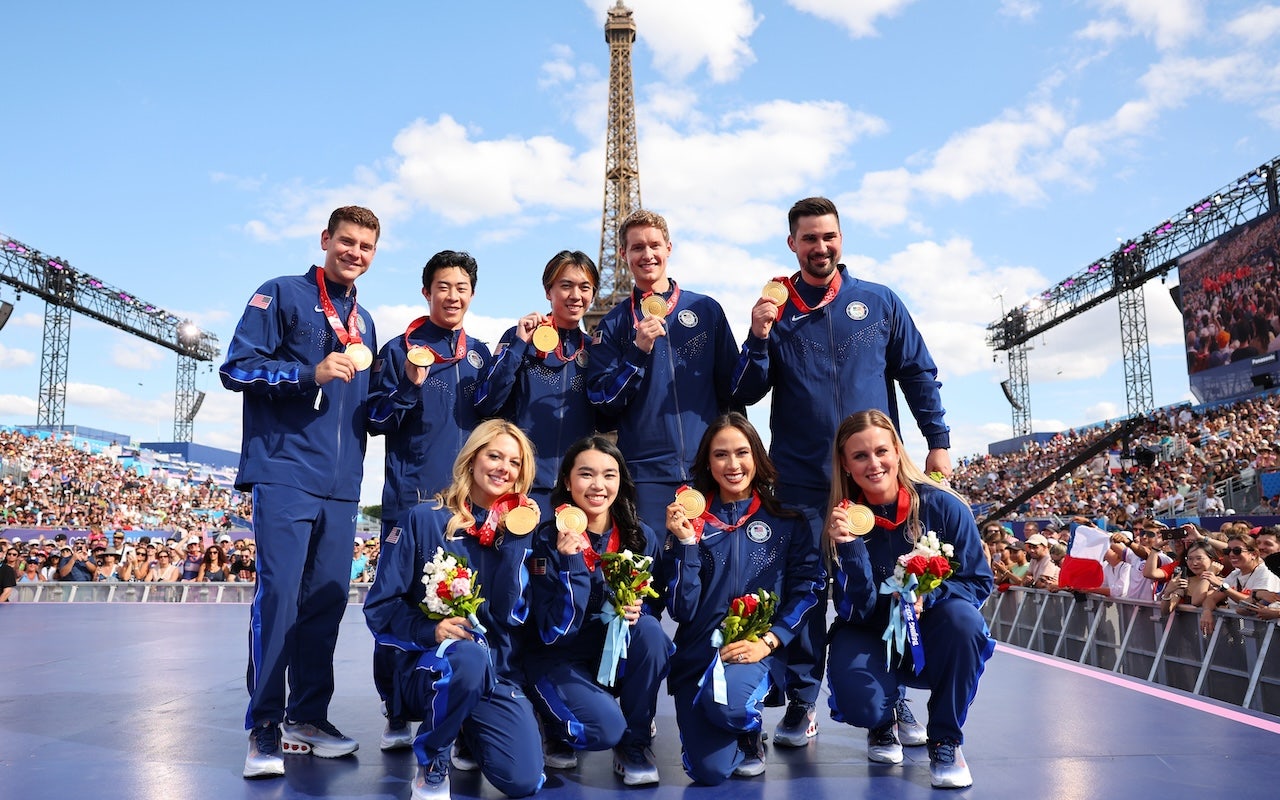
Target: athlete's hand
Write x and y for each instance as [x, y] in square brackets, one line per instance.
[763, 314]
[938, 460]
[568, 543]
[526, 325]
[453, 628]
[335, 365]
[678, 523]
[648, 331]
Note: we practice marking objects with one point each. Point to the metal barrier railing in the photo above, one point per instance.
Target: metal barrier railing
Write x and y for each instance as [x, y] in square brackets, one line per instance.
[130, 592]
[1235, 664]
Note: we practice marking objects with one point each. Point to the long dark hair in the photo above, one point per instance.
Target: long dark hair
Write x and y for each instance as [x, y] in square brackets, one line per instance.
[623, 509]
[766, 473]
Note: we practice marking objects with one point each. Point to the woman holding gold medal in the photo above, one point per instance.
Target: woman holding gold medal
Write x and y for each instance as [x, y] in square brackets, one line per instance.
[882, 506]
[464, 682]
[740, 541]
[590, 695]
[538, 376]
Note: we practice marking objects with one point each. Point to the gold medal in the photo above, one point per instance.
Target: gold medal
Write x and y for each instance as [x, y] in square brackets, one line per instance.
[693, 503]
[360, 355]
[775, 291]
[654, 306]
[861, 520]
[572, 519]
[520, 520]
[421, 356]
[545, 338]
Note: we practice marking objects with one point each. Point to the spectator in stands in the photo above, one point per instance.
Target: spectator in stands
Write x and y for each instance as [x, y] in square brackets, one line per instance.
[243, 565]
[214, 567]
[359, 561]
[8, 574]
[1043, 573]
[191, 564]
[1191, 584]
[1248, 575]
[76, 565]
[165, 569]
[1013, 568]
[108, 566]
[137, 563]
[31, 572]
[1210, 504]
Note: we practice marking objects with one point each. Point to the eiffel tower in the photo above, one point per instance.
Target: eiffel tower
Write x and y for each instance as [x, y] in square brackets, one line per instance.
[621, 165]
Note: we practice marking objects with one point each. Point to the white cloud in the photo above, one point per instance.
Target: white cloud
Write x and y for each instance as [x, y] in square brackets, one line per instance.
[14, 405]
[559, 70]
[1024, 10]
[992, 158]
[859, 19]
[137, 355]
[1168, 23]
[12, 357]
[1256, 25]
[683, 36]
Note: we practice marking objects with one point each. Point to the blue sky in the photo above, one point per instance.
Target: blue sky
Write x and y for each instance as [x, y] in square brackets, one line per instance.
[979, 153]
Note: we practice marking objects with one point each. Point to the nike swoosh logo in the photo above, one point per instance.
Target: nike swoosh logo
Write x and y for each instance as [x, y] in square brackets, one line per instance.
[798, 317]
[319, 310]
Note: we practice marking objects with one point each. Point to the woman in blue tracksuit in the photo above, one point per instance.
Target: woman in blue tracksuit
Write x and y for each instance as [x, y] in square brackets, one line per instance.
[872, 468]
[545, 391]
[568, 596]
[474, 685]
[743, 542]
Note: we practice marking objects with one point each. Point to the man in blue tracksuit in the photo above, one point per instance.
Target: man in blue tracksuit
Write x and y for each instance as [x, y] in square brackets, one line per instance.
[545, 392]
[300, 356]
[427, 412]
[663, 372]
[837, 345]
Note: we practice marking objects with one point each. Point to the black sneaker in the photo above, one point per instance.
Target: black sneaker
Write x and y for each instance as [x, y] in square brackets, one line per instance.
[752, 747]
[947, 767]
[798, 725]
[319, 738]
[558, 754]
[634, 762]
[883, 745]
[432, 782]
[397, 735]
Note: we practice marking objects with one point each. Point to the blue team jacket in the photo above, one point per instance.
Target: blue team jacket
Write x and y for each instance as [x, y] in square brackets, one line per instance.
[824, 365]
[425, 425]
[272, 360]
[664, 399]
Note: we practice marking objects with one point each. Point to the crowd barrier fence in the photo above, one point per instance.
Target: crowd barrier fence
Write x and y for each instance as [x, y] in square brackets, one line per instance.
[1236, 664]
[131, 592]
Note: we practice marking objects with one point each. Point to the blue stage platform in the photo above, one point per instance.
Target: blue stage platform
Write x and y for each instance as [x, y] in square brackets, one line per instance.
[147, 701]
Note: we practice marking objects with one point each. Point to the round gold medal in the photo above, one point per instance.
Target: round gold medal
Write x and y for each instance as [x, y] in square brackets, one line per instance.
[693, 503]
[421, 356]
[861, 520]
[361, 356]
[775, 291]
[520, 520]
[654, 306]
[572, 519]
[545, 338]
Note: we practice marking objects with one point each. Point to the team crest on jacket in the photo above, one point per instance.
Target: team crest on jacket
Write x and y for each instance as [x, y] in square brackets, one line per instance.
[581, 358]
[856, 310]
[759, 531]
[360, 324]
[687, 318]
[474, 359]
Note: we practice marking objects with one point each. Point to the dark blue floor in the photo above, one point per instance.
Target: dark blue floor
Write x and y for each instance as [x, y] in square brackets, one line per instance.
[147, 701]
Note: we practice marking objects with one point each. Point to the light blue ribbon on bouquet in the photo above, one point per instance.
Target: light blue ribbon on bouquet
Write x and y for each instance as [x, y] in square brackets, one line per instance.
[903, 628]
[617, 638]
[719, 687]
[477, 630]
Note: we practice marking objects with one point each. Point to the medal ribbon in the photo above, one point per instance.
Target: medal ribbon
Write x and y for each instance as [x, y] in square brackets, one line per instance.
[348, 334]
[559, 351]
[832, 289]
[707, 518]
[592, 556]
[671, 302]
[486, 532]
[903, 511]
[461, 348]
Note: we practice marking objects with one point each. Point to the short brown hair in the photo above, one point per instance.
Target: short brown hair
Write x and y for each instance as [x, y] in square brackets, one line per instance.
[811, 207]
[356, 215]
[642, 218]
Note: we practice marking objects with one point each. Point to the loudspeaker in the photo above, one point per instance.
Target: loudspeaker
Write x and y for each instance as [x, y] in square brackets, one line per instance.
[6, 309]
[1008, 395]
[1175, 293]
[1266, 380]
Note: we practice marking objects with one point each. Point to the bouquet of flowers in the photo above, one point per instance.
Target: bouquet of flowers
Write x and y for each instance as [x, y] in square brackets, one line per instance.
[452, 589]
[916, 574]
[628, 578]
[750, 617]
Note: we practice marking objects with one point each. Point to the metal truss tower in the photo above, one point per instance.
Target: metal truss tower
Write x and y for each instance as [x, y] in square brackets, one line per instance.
[621, 164]
[1017, 390]
[1122, 273]
[65, 289]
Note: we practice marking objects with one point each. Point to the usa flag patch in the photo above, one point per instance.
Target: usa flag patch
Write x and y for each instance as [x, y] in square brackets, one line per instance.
[597, 336]
[393, 536]
[537, 566]
[262, 301]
